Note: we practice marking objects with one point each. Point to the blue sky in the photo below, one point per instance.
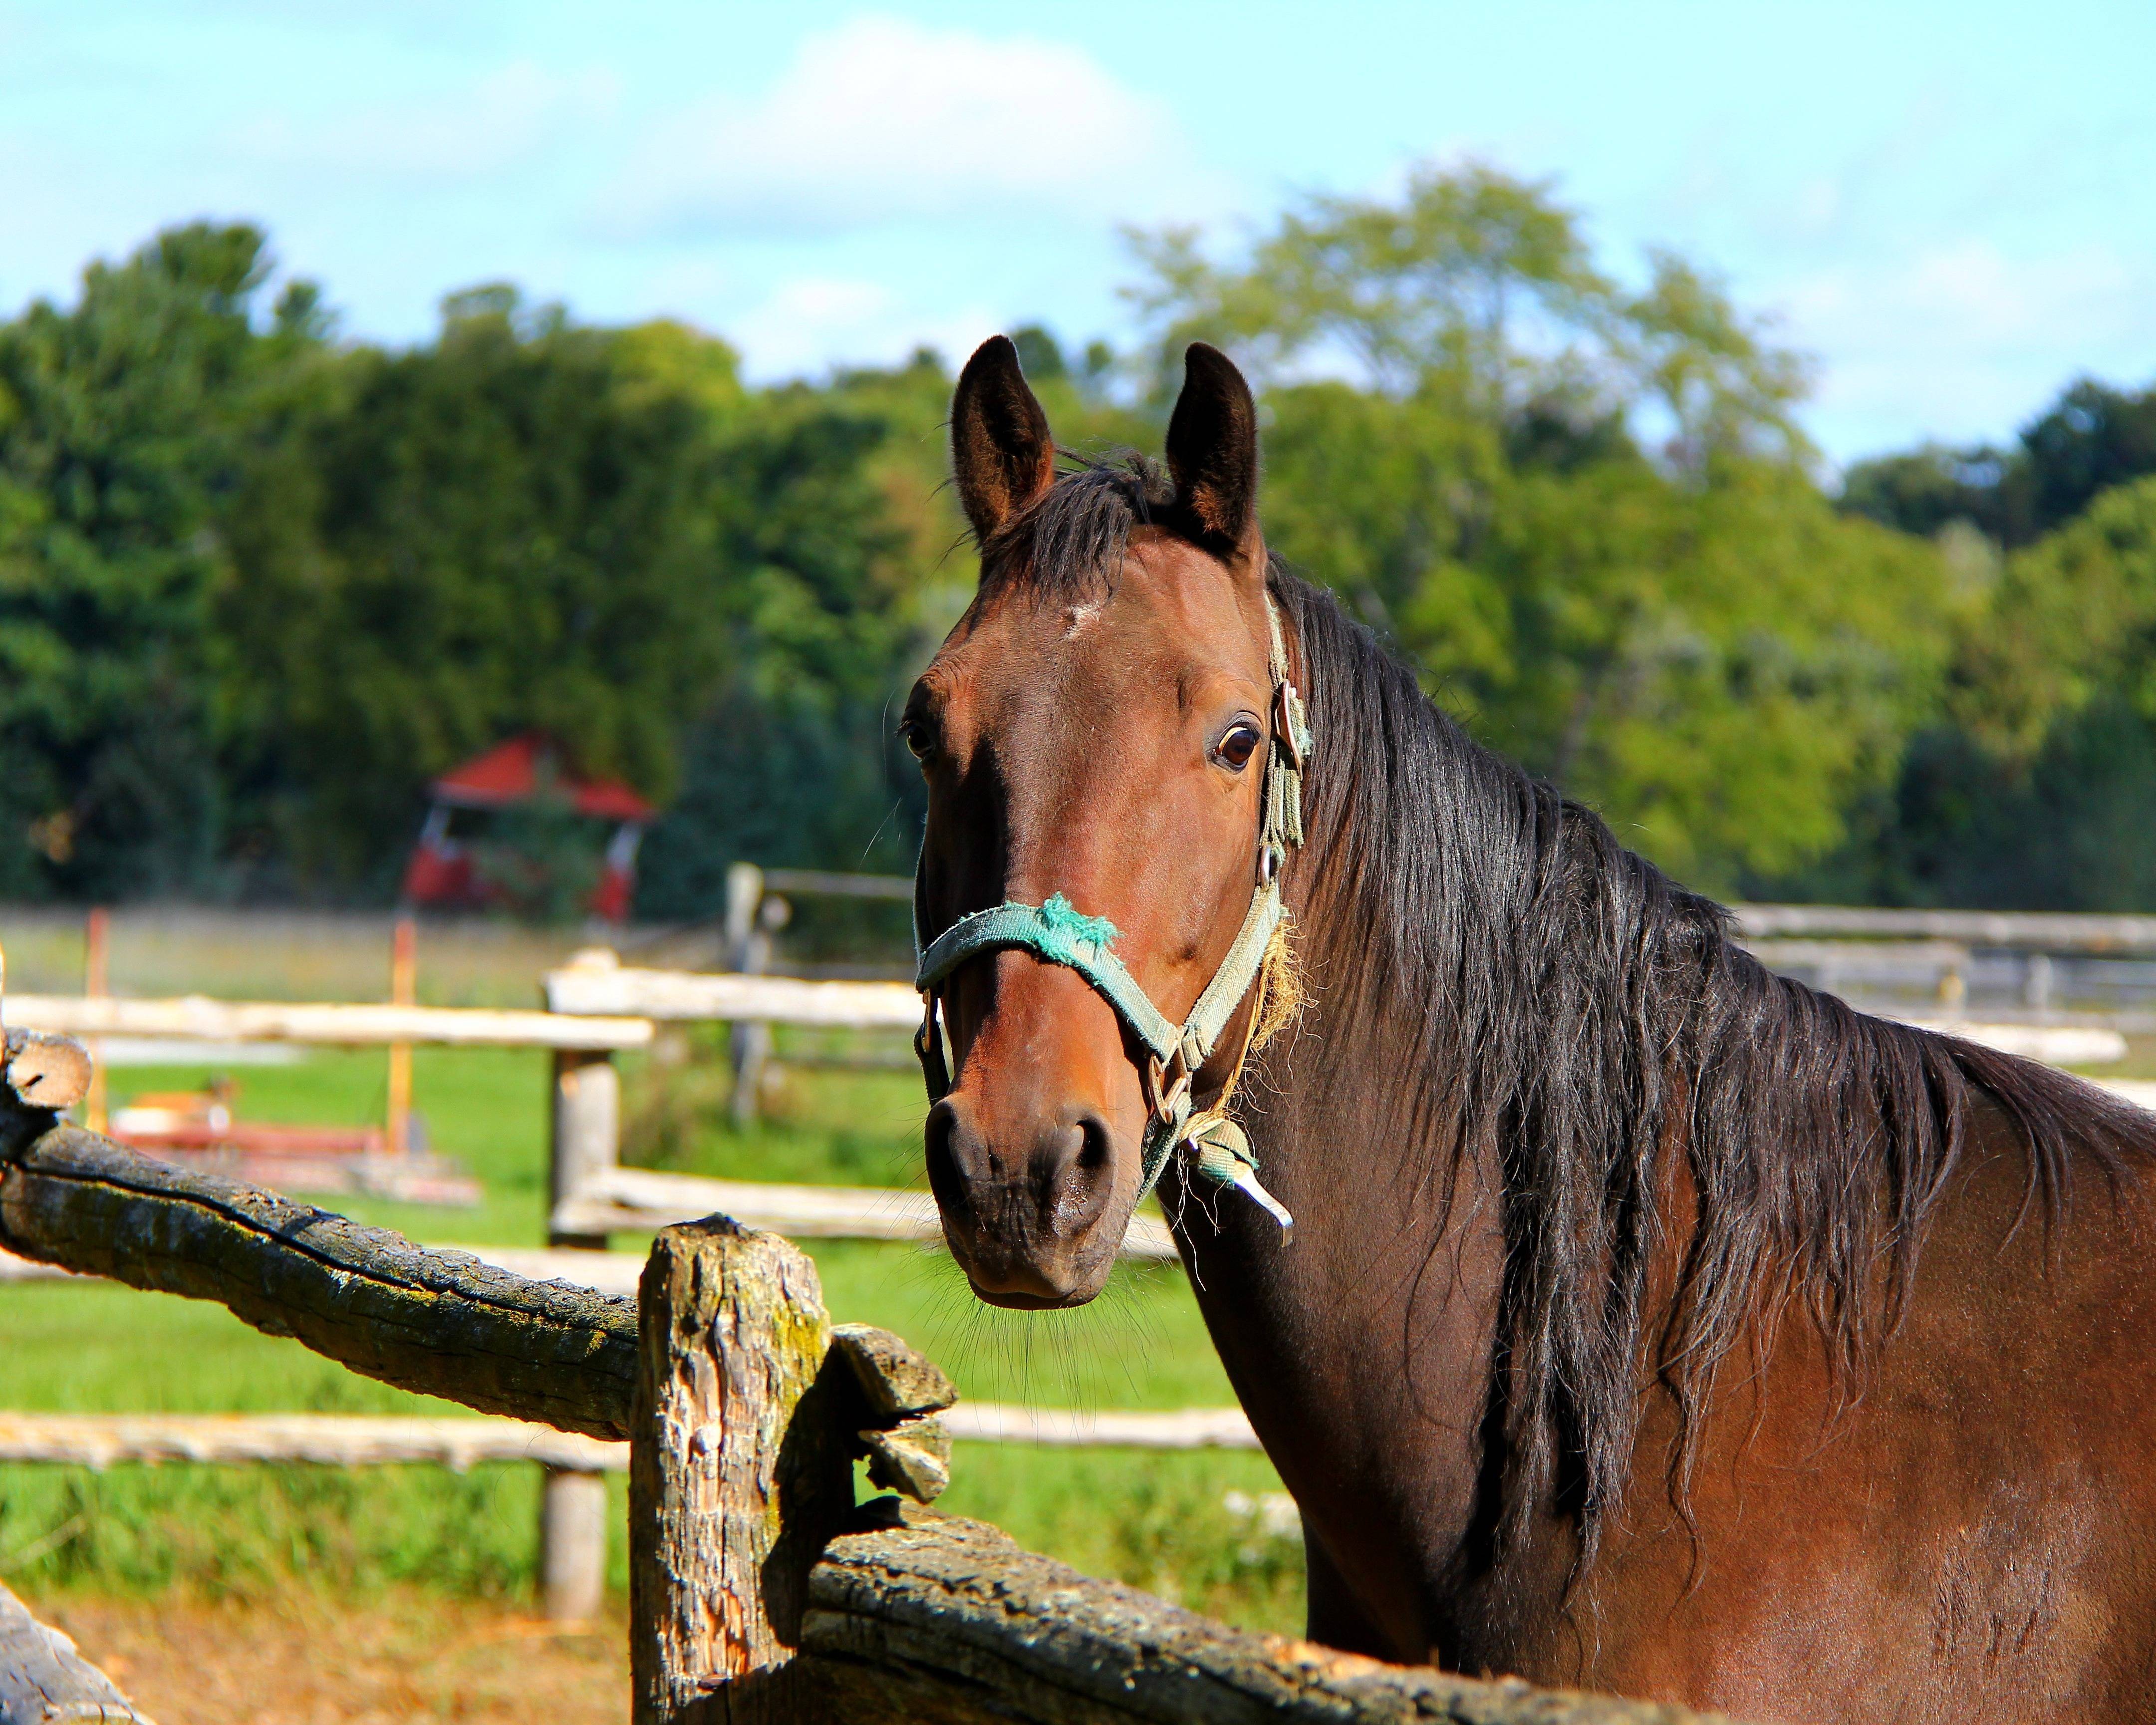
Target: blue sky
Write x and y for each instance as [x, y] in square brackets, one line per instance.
[1953, 207]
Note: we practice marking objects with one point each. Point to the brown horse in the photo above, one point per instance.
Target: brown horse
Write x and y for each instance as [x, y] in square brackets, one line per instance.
[1650, 1323]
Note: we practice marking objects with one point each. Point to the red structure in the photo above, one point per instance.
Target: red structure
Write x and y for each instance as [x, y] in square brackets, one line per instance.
[443, 870]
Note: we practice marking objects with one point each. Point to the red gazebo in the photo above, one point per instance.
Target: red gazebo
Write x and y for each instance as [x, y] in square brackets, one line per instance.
[442, 871]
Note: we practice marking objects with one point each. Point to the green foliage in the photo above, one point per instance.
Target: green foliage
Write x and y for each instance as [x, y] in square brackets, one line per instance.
[1479, 290]
[2072, 618]
[1717, 669]
[2091, 440]
[256, 589]
[2066, 829]
[1584, 510]
[2034, 786]
[516, 527]
[258, 586]
[121, 433]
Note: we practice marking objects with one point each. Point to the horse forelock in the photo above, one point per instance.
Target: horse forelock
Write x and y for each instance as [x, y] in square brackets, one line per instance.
[1587, 1021]
[1069, 543]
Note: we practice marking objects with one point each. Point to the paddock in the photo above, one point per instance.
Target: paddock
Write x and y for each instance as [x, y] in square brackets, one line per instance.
[595, 1009]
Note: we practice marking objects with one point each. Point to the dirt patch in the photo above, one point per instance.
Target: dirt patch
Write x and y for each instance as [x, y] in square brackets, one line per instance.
[398, 1661]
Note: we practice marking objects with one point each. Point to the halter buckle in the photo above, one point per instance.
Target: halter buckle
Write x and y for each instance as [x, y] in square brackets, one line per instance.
[1166, 1083]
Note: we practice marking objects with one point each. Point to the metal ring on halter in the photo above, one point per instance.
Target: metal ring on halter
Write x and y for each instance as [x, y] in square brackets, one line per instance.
[928, 1049]
[1162, 1095]
[1269, 863]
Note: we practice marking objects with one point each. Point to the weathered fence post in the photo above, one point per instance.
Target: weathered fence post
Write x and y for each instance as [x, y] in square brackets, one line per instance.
[585, 1141]
[748, 951]
[587, 1131]
[572, 1544]
[738, 1473]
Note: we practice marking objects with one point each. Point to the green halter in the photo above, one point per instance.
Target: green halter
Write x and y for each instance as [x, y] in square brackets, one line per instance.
[1058, 933]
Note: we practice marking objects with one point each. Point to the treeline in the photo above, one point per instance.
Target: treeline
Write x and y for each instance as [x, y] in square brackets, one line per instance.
[2032, 783]
[259, 583]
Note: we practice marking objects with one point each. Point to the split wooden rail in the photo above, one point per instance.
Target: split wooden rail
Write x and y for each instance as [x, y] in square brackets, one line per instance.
[760, 1590]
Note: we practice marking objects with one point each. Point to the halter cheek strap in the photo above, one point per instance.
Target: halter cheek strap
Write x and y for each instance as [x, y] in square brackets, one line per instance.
[1057, 932]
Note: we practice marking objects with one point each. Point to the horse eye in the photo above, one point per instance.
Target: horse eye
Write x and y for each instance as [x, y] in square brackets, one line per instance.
[919, 743]
[1235, 749]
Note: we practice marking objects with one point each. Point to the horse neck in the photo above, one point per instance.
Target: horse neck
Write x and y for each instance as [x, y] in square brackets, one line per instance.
[1364, 1348]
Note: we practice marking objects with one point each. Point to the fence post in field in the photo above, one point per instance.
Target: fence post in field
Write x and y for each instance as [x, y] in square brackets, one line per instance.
[96, 984]
[572, 1544]
[738, 1473]
[403, 991]
[587, 1134]
[748, 951]
[586, 1139]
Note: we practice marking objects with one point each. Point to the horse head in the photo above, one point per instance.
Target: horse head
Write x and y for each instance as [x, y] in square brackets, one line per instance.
[1098, 734]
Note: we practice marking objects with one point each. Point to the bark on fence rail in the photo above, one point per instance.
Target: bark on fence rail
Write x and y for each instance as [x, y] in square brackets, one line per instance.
[440, 1322]
[929, 1617]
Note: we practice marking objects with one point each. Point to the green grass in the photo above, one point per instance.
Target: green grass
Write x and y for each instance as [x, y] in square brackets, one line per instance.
[1156, 1520]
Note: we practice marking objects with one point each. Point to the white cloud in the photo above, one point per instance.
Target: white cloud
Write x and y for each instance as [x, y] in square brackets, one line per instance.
[812, 322]
[1961, 332]
[882, 119]
[493, 123]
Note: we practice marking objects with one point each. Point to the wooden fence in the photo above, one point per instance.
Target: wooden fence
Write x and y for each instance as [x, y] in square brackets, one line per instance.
[592, 1194]
[760, 1589]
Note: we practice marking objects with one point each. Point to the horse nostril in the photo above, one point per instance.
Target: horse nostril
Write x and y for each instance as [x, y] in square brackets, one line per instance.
[947, 1172]
[1079, 1163]
[1096, 1154]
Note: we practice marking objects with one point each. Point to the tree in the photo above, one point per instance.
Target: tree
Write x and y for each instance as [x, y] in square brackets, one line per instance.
[1584, 510]
[2071, 621]
[122, 422]
[1478, 290]
[513, 528]
[2034, 786]
[2092, 439]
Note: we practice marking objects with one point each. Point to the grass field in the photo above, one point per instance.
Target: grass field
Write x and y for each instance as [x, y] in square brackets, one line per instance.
[250, 1536]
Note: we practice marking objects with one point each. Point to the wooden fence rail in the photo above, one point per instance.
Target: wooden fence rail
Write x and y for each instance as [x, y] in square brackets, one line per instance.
[919, 1616]
[195, 1018]
[2041, 931]
[442, 1324]
[2061, 932]
[688, 996]
[102, 1441]
[614, 1199]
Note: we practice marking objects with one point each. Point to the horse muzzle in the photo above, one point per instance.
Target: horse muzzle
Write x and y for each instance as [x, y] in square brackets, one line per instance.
[1032, 1207]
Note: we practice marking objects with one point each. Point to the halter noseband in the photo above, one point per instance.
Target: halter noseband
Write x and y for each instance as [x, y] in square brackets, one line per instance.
[1058, 933]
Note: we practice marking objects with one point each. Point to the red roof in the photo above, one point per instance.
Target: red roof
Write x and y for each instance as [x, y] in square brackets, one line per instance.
[510, 772]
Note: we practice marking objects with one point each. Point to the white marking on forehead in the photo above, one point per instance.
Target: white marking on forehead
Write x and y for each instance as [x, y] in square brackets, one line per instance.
[1077, 617]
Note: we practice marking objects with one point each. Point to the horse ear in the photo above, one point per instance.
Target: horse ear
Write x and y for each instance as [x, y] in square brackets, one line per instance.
[1212, 445]
[1000, 448]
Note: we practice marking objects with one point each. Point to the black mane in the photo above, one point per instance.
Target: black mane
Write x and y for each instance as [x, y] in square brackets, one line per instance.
[1581, 1016]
